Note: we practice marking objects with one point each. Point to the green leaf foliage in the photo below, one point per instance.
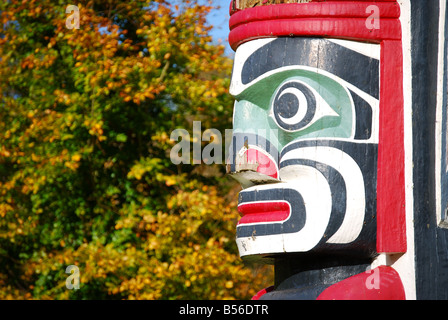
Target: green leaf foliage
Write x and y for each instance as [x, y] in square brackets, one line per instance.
[85, 173]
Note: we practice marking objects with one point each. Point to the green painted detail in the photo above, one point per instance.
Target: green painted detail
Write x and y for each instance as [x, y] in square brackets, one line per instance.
[253, 108]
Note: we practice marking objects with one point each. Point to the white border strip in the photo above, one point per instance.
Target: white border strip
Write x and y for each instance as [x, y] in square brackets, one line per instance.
[439, 115]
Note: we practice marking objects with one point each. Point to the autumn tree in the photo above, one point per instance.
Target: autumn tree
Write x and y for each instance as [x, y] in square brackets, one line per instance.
[85, 173]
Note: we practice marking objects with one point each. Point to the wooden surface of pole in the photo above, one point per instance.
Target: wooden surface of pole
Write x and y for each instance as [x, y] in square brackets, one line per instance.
[340, 144]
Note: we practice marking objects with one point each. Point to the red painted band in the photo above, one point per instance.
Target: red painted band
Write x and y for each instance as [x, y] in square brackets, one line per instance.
[259, 212]
[350, 29]
[262, 293]
[234, 9]
[336, 9]
[382, 283]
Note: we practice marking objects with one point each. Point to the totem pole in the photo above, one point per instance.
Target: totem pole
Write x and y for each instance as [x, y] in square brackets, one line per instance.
[340, 144]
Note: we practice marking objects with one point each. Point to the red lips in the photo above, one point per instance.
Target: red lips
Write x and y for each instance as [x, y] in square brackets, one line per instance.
[260, 212]
[266, 165]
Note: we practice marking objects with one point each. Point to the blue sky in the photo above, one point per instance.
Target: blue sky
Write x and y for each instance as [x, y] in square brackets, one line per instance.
[219, 18]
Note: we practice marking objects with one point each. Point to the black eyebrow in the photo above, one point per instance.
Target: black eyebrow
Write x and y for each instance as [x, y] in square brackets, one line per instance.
[359, 70]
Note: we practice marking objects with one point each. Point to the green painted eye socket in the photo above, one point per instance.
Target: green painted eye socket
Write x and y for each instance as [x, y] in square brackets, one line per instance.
[297, 106]
[301, 103]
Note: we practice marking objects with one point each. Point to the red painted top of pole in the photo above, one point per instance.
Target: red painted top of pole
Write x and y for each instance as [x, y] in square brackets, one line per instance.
[337, 19]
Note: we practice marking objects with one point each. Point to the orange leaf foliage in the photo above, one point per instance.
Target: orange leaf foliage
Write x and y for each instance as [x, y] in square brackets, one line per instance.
[85, 175]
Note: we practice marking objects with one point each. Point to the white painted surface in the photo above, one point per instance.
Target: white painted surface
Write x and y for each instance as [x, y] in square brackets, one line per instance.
[439, 113]
[316, 194]
[355, 204]
[241, 55]
[368, 49]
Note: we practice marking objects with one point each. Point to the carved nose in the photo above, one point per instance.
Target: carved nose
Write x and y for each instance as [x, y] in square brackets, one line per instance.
[252, 166]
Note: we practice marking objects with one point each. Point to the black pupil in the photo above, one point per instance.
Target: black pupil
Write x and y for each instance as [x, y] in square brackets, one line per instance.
[287, 105]
[290, 98]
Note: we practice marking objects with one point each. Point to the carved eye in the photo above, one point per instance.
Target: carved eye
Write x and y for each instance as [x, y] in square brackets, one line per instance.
[297, 106]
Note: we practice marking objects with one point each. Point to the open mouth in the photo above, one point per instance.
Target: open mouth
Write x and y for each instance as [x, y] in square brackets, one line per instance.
[264, 212]
[270, 209]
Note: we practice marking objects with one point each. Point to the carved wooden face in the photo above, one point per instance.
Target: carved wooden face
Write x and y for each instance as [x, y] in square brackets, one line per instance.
[305, 145]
